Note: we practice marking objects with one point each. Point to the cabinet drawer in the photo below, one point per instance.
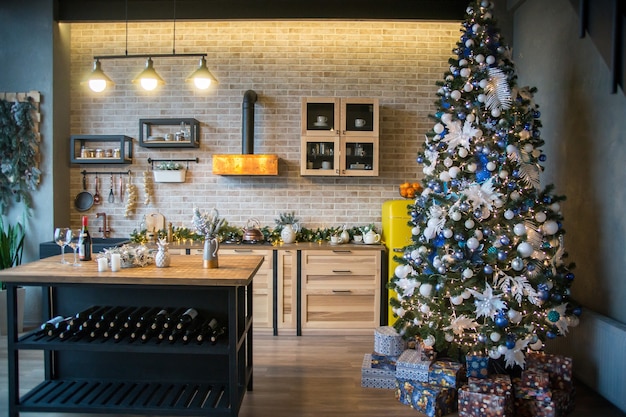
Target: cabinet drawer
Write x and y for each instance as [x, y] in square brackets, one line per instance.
[329, 261]
[348, 309]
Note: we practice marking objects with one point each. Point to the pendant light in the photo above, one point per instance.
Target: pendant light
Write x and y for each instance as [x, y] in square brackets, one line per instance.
[202, 77]
[149, 79]
[97, 79]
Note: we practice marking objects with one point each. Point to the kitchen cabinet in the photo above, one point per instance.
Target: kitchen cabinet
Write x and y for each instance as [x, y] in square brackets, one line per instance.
[169, 133]
[340, 290]
[122, 377]
[101, 149]
[339, 137]
[286, 267]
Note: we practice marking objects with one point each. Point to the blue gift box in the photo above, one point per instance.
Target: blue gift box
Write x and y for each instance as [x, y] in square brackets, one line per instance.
[426, 398]
[388, 342]
[477, 366]
[376, 377]
[448, 374]
[412, 364]
[384, 361]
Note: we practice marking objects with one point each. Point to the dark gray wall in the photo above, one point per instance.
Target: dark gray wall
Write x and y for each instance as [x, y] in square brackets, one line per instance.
[35, 56]
[585, 134]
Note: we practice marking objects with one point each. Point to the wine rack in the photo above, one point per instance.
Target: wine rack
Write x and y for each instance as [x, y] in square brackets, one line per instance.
[126, 376]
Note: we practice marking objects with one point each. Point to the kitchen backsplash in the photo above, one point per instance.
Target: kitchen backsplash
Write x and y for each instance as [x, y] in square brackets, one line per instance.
[396, 62]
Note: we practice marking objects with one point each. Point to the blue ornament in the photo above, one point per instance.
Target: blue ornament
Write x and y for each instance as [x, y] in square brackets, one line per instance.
[483, 175]
[511, 186]
[445, 104]
[478, 213]
[547, 199]
[551, 335]
[487, 269]
[515, 173]
[557, 297]
[461, 116]
[420, 159]
[439, 241]
[458, 255]
[482, 338]
[439, 286]
[544, 295]
[510, 343]
[536, 114]
[501, 144]
[501, 321]
[530, 267]
[543, 157]
[464, 206]
[577, 311]
[502, 256]
[569, 276]
[505, 240]
[439, 114]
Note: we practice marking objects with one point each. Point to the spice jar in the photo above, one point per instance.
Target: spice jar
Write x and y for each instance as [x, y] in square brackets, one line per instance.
[99, 153]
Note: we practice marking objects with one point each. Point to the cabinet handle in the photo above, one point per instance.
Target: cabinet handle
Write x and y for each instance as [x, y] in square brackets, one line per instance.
[341, 291]
[243, 250]
[342, 251]
[342, 271]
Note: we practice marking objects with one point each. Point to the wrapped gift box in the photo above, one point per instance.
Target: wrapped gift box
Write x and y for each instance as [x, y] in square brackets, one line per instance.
[446, 374]
[427, 399]
[539, 394]
[376, 377]
[535, 379]
[557, 366]
[477, 366]
[388, 342]
[480, 404]
[412, 364]
[533, 408]
[384, 361]
[496, 384]
[564, 400]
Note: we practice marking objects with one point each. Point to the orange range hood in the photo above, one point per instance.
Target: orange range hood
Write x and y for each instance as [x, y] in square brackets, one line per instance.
[246, 163]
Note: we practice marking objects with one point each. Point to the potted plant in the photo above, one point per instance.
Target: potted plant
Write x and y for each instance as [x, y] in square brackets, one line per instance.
[11, 249]
[169, 172]
[288, 227]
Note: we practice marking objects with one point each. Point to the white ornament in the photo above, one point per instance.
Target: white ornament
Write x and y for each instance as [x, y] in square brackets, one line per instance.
[469, 43]
[481, 98]
[519, 229]
[517, 264]
[472, 243]
[463, 62]
[467, 274]
[468, 87]
[555, 207]
[514, 316]
[491, 59]
[495, 112]
[415, 254]
[479, 234]
[469, 223]
[503, 349]
[491, 166]
[466, 294]
[515, 195]
[536, 153]
[525, 249]
[456, 216]
[550, 227]
[528, 148]
[466, 72]
[447, 233]
[462, 152]
[448, 162]
[415, 231]
[504, 174]
[495, 337]
[436, 263]
[454, 171]
[444, 176]
[538, 345]
[494, 354]
[425, 309]
[456, 94]
[471, 167]
[429, 341]
[475, 27]
[541, 217]
[438, 128]
[426, 290]
[400, 271]
[483, 83]
[456, 300]
[422, 249]
[470, 117]
[480, 58]
[446, 118]
[449, 337]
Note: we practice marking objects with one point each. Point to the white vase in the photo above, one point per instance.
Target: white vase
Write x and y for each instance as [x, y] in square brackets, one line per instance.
[21, 295]
[209, 254]
[288, 234]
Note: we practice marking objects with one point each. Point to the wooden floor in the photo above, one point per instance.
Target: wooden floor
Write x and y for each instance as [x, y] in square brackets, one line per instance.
[308, 376]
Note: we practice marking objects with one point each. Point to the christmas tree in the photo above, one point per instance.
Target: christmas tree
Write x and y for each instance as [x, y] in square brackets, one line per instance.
[485, 272]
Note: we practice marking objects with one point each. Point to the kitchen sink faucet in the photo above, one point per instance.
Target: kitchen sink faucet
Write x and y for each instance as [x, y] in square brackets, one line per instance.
[104, 229]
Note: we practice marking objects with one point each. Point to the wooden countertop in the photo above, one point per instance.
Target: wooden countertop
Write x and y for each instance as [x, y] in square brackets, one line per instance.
[234, 270]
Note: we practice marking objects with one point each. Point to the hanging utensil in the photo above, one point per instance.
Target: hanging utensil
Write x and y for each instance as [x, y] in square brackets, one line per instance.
[111, 193]
[96, 196]
[121, 188]
[84, 199]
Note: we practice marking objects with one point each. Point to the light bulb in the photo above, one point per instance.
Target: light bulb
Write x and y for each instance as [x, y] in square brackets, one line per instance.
[148, 84]
[202, 83]
[97, 86]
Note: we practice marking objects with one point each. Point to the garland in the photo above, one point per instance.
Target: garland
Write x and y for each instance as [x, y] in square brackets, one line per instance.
[19, 153]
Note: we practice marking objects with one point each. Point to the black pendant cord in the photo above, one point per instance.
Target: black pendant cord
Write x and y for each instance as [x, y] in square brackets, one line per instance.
[174, 34]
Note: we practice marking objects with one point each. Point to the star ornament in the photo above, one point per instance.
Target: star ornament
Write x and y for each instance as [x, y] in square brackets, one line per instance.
[487, 304]
[460, 135]
[461, 323]
[482, 195]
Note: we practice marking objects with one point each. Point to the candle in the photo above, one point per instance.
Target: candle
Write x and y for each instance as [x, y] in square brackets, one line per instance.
[102, 264]
[116, 262]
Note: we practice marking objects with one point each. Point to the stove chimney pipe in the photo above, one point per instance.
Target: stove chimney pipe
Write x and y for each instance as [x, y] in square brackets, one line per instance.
[247, 118]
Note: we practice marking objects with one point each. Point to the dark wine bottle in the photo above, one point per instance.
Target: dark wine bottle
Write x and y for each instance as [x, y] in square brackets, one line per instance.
[207, 330]
[120, 317]
[133, 317]
[81, 316]
[164, 334]
[149, 333]
[147, 317]
[159, 319]
[84, 242]
[194, 329]
[59, 327]
[49, 325]
[172, 318]
[94, 316]
[107, 317]
[121, 333]
[175, 334]
[187, 317]
[216, 334]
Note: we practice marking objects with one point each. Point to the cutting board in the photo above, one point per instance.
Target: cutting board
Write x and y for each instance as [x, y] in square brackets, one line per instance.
[155, 222]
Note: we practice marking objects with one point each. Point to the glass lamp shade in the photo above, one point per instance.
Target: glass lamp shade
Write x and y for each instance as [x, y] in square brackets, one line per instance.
[202, 77]
[148, 78]
[97, 80]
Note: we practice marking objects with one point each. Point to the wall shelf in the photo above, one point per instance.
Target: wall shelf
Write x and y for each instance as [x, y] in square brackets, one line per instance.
[169, 133]
[101, 149]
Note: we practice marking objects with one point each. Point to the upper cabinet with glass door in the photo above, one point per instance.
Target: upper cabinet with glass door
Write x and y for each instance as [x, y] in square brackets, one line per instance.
[339, 136]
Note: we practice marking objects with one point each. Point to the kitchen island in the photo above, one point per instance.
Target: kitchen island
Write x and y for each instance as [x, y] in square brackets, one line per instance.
[127, 377]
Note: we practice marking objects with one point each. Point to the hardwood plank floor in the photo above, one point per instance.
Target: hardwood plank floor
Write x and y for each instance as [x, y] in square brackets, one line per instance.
[301, 377]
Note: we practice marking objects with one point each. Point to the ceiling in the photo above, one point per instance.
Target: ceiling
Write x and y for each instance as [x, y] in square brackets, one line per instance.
[146, 10]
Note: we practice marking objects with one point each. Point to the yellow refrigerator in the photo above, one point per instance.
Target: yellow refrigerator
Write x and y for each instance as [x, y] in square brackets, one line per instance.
[396, 235]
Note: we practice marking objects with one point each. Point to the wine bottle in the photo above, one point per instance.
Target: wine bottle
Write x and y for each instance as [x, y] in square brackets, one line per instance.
[133, 317]
[149, 333]
[207, 330]
[175, 335]
[216, 334]
[84, 242]
[147, 317]
[164, 334]
[81, 316]
[120, 317]
[187, 317]
[194, 329]
[171, 319]
[94, 317]
[159, 319]
[59, 327]
[121, 333]
[49, 325]
[107, 316]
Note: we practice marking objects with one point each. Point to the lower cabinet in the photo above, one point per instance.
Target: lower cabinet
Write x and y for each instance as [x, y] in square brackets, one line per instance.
[340, 291]
[286, 295]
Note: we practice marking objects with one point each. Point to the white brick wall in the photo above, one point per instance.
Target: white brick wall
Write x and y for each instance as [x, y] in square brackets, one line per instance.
[397, 62]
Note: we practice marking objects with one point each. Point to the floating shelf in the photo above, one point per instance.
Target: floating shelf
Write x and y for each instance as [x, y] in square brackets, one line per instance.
[164, 133]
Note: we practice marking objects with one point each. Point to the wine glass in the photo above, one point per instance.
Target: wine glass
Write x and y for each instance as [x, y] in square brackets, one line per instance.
[73, 237]
[60, 237]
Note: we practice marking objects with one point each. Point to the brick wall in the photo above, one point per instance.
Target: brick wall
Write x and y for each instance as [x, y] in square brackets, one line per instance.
[397, 62]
